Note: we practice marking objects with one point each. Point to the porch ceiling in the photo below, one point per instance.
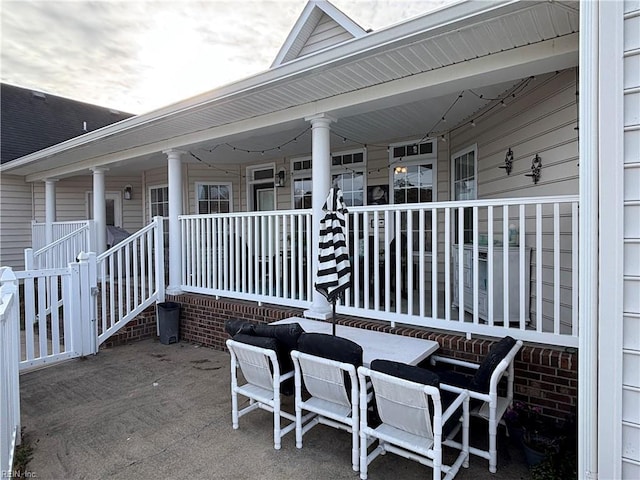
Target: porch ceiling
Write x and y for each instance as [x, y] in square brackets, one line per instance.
[391, 84]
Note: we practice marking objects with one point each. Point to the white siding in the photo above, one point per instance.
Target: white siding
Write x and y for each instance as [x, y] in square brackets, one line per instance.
[540, 120]
[15, 220]
[631, 232]
[326, 34]
[71, 199]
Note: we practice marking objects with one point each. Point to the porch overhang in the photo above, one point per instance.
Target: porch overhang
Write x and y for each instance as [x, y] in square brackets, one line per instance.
[473, 44]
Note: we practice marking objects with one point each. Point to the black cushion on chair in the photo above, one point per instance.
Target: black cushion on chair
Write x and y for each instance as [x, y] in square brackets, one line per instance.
[482, 379]
[234, 326]
[286, 333]
[406, 372]
[282, 353]
[334, 348]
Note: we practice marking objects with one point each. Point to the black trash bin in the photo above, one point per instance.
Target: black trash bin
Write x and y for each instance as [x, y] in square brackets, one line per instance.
[169, 322]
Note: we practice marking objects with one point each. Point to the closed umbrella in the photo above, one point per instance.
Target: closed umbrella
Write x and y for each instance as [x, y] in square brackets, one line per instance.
[334, 266]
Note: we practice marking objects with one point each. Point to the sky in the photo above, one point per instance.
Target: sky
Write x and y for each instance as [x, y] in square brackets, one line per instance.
[137, 56]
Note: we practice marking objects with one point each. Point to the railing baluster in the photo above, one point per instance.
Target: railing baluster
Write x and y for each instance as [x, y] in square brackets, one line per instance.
[574, 269]
[556, 268]
[539, 268]
[522, 231]
[476, 265]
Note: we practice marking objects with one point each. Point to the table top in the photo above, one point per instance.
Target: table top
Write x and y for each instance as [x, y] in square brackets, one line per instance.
[374, 344]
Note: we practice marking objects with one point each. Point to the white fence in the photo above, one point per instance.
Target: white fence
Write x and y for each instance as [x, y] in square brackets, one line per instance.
[130, 278]
[491, 267]
[59, 319]
[261, 256]
[9, 377]
[63, 250]
[58, 230]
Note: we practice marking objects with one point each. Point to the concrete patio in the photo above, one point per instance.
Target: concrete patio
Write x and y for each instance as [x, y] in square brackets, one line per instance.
[148, 410]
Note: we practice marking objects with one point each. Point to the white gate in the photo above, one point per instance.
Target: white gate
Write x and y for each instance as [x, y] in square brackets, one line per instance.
[59, 322]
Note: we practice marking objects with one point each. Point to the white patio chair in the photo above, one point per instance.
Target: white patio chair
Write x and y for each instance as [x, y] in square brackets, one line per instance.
[332, 401]
[261, 371]
[412, 420]
[483, 389]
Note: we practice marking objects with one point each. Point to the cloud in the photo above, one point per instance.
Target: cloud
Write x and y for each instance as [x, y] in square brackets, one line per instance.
[136, 56]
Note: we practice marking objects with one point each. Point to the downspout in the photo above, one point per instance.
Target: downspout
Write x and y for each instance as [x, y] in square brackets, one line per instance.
[588, 254]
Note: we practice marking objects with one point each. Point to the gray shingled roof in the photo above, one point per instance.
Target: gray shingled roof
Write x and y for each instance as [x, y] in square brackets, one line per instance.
[32, 121]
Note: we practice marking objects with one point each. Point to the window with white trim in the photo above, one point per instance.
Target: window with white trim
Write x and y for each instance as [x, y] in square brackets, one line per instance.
[302, 183]
[465, 185]
[412, 172]
[213, 198]
[348, 171]
[159, 201]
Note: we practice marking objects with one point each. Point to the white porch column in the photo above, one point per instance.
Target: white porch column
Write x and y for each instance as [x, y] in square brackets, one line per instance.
[175, 209]
[321, 178]
[100, 209]
[49, 208]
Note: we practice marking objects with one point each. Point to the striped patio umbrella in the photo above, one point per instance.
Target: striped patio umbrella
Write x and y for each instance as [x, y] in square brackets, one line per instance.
[334, 266]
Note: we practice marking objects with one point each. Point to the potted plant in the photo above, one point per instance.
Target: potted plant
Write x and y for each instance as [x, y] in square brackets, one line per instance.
[537, 435]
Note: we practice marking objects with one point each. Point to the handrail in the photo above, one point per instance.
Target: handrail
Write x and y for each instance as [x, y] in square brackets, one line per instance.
[60, 241]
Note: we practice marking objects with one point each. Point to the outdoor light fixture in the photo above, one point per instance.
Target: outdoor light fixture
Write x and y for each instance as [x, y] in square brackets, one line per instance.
[128, 192]
[508, 162]
[282, 177]
[536, 168]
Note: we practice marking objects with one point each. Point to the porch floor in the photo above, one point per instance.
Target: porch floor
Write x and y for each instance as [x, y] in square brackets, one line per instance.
[148, 410]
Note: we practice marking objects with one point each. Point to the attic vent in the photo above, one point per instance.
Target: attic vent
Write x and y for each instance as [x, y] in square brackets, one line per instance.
[39, 95]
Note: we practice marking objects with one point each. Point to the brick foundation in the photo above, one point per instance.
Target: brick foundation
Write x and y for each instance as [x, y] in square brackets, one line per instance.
[545, 376]
[140, 328]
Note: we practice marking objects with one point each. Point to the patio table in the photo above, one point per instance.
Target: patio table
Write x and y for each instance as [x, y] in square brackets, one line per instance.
[374, 344]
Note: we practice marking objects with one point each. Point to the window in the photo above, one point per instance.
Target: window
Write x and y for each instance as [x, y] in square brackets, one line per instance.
[302, 192]
[412, 171]
[348, 174]
[213, 198]
[412, 177]
[159, 201]
[464, 168]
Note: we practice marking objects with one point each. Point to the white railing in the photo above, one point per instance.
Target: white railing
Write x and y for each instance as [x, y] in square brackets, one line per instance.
[58, 230]
[263, 256]
[416, 280]
[63, 250]
[9, 370]
[130, 278]
[447, 255]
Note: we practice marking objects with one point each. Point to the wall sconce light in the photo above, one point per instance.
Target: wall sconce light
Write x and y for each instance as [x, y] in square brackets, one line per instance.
[536, 168]
[508, 161]
[282, 178]
[128, 192]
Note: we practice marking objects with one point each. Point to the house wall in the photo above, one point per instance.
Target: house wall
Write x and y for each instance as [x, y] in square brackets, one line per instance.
[72, 199]
[15, 220]
[542, 119]
[630, 170]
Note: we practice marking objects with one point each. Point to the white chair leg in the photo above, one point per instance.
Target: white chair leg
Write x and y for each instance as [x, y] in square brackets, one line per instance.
[363, 456]
[276, 424]
[234, 409]
[298, 425]
[493, 449]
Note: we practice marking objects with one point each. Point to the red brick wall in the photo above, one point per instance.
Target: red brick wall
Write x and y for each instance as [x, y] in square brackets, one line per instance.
[140, 328]
[544, 376]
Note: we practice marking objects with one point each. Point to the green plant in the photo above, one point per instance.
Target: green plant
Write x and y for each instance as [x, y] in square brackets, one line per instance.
[22, 456]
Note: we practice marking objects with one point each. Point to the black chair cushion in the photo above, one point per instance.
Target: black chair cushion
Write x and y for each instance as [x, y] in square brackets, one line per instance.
[481, 380]
[286, 333]
[234, 326]
[406, 372]
[284, 358]
[334, 348]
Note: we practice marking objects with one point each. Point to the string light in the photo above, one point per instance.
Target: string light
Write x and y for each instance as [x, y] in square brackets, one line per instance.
[431, 133]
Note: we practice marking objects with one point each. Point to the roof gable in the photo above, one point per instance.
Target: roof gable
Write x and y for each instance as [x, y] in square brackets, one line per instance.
[320, 26]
